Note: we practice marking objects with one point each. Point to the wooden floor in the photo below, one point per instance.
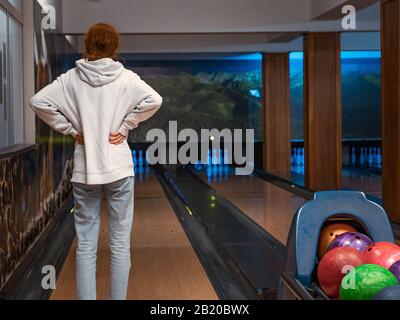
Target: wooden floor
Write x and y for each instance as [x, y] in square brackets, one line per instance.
[353, 179]
[272, 207]
[369, 184]
[269, 206]
[165, 267]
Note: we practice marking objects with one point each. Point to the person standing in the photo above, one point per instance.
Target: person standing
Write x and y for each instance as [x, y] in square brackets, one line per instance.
[98, 102]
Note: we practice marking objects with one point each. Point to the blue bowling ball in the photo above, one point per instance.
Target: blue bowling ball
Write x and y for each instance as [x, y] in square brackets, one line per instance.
[390, 293]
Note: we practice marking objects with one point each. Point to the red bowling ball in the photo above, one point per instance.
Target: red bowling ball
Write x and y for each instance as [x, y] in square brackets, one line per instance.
[333, 267]
[375, 250]
[387, 259]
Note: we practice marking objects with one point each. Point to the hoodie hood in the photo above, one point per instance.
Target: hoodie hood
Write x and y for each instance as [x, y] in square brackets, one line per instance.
[100, 72]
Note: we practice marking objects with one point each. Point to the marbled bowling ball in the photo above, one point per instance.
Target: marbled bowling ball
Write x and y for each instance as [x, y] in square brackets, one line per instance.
[377, 249]
[334, 266]
[353, 240]
[388, 294]
[329, 233]
[365, 281]
[386, 259]
[395, 269]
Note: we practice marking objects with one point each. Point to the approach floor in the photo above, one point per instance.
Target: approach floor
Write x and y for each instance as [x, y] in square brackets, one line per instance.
[165, 266]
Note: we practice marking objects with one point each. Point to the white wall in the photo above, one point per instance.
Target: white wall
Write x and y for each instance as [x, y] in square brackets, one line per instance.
[332, 9]
[208, 25]
[191, 43]
[177, 16]
[207, 16]
[58, 5]
[361, 41]
[319, 7]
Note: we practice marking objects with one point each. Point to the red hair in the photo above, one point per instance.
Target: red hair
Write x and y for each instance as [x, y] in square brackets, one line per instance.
[101, 41]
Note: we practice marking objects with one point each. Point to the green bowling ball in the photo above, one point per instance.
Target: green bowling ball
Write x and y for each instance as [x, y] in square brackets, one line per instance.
[364, 282]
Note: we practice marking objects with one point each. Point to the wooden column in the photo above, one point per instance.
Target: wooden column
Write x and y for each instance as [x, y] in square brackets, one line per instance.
[322, 111]
[390, 11]
[277, 151]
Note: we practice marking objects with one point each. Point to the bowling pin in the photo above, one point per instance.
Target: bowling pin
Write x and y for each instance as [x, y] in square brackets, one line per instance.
[141, 159]
[209, 174]
[298, 158]
[226, 173]
[198, 165]
[227, 158]
[215, 158]
[221, 158]
[375, 157]
[379, 158]
[141, 173]
[134, 158]
[294, 159]
[210, 161]
[370, 158]
[215, 173]
[293, 156]
[353, 157]
[220, 173]
[362, 158]
[146, 161]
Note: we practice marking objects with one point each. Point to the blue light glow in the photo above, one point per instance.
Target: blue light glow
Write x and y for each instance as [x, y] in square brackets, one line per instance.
[255, 93]
[252, 56]
[361, 81]
[296, 55]
[361, 55]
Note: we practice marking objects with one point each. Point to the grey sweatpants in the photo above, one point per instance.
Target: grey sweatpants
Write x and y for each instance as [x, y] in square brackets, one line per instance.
[120, 199]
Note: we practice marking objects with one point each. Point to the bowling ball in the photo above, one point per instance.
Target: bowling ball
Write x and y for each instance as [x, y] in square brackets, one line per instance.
[329, 233]
[331, 269]
[353, 240]
[395, 269]
[365, 281]
[387, 259]
[377, 249]
[390, 293]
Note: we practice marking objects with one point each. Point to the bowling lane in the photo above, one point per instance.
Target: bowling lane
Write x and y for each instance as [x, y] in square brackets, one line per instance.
[165, 266]
[370, 184]
[353, 179]
[268, 205]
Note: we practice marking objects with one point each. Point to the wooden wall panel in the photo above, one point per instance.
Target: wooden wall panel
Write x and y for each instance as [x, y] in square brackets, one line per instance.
[391, 107]
[322, 111]
[277, 114]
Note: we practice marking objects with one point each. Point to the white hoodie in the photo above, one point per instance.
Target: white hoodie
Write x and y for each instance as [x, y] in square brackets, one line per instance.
[95, 99]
